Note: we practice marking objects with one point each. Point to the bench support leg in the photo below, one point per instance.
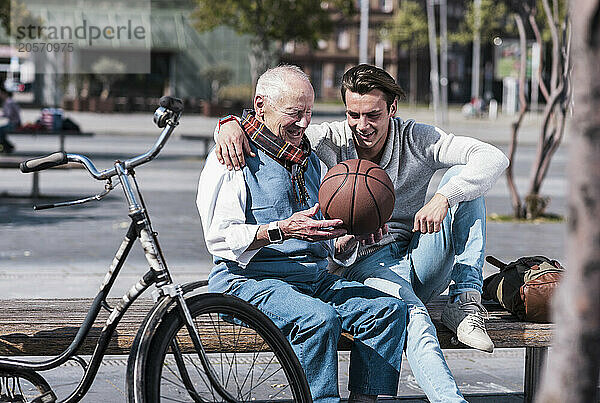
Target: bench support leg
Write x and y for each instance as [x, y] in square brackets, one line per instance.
[534, 362]
[35, 186]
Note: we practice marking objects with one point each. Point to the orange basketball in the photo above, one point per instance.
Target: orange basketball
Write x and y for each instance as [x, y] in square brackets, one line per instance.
[358, 192]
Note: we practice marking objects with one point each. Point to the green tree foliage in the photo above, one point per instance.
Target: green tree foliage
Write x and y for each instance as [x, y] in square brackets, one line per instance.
[5, 13]
[218, 75]
[271, 23]
[108, 70]
[408, 27]
[559, 9]
[14, 13]
[495, 21]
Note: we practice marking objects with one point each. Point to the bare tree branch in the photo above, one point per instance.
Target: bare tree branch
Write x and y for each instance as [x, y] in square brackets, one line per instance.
[514, 194]
[538, 39]
[553, 125]
[555, 42]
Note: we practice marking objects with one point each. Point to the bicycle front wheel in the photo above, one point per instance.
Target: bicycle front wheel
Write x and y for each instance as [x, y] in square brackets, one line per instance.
[247, 354]
[21, 386]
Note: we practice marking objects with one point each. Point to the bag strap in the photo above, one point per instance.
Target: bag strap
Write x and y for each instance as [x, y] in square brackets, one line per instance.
[495, 262]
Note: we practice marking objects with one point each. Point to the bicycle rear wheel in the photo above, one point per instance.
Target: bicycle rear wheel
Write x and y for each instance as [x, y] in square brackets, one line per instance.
[249, 356]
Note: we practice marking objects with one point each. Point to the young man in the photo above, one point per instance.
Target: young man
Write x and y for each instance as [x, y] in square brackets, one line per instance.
[12, 112]
[428, 244]
[271, 247]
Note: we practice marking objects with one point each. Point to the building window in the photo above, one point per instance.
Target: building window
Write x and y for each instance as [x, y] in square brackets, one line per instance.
[289, 47]
[343, 39]
[387, 6]
[322, 44]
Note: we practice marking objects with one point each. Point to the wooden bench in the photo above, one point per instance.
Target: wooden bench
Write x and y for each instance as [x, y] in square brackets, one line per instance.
[13, 161]
[207, 142]
[60, 133]
[43, 327]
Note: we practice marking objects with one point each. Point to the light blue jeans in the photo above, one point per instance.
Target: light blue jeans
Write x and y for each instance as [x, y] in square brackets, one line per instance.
[312, 310]
[422, 269]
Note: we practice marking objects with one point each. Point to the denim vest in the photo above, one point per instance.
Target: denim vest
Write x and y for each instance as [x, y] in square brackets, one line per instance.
[271, 196]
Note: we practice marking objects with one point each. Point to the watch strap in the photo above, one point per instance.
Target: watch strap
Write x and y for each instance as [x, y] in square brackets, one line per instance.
[274, 232]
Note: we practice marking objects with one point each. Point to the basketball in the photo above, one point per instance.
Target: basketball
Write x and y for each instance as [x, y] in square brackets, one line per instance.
[358, 192]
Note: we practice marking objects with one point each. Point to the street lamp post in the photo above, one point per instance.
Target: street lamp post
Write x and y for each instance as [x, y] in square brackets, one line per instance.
[476, 50]
[444, 59]
[434, 73]
[363, 55]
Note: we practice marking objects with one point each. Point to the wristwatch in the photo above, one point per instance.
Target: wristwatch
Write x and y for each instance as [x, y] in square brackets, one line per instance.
[274, 232]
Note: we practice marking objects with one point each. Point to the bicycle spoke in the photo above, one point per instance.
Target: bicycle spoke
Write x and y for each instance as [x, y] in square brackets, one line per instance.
[21, 386]
[235, 361]
[254, 361]
[172, 399]
[217, 328]
[244, 355]
[200, 371]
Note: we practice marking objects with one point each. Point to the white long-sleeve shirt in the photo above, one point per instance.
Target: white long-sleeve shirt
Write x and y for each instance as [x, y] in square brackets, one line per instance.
[221, 203]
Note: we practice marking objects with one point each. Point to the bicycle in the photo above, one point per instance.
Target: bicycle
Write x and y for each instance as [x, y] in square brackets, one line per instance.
[203, 347]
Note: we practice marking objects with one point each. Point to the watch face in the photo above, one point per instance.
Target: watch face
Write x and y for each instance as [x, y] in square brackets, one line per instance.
[274, 235]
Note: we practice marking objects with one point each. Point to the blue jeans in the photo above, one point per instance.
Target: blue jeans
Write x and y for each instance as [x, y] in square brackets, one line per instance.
[422, 269]
[312, 312]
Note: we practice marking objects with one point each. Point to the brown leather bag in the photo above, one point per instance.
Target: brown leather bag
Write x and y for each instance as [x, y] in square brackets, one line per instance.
[524, 287]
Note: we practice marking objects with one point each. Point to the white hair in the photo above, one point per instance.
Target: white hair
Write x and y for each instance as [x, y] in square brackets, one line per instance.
[273, 82]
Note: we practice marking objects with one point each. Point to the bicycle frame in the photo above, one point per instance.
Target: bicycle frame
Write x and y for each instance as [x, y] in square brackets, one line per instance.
[140, 228]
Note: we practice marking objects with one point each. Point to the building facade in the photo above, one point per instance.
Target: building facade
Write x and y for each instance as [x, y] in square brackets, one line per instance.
[340, 51]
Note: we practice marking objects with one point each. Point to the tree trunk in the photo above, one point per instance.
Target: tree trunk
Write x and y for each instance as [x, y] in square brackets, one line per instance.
[412, 95]
[515, 199]
[552, 130]
[261, 58]
[85, 87]
[575, 358]
[105, 90]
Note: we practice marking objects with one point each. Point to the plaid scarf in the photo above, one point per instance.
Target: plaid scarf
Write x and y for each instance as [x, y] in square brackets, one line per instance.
[292, 158]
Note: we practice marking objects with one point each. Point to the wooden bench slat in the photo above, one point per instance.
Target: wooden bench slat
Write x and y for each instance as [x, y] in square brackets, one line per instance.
[47, 327]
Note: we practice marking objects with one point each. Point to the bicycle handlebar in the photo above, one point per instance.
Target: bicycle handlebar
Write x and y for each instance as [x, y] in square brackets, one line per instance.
[131, 162]
[61, 158]
[41, 163]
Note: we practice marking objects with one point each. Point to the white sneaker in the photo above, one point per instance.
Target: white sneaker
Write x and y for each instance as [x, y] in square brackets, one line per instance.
[465, 318]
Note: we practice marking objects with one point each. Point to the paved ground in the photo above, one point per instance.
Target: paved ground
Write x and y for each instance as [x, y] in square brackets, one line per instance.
[65, 252]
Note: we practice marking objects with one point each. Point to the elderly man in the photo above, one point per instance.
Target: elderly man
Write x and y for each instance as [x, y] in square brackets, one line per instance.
[270, 247]
[428, 244]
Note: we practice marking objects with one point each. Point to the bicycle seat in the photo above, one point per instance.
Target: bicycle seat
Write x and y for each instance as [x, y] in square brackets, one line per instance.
[171, 103]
